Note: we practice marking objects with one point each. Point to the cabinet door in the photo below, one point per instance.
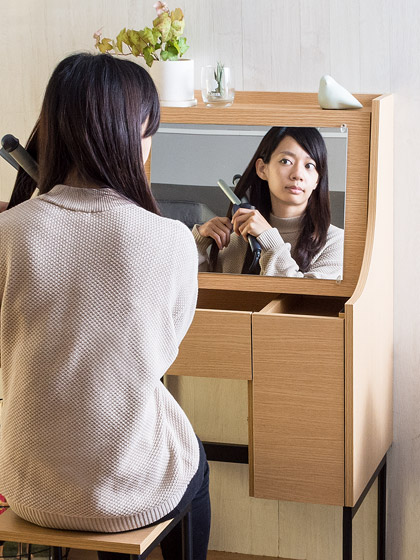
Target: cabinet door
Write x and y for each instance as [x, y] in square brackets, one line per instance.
[218, 344]
[298, 408]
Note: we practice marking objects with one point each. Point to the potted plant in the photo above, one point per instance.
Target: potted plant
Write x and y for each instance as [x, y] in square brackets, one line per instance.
[162, 47]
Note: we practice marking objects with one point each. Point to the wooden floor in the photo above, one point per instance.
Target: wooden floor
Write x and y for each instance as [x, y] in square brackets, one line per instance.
[156, 555]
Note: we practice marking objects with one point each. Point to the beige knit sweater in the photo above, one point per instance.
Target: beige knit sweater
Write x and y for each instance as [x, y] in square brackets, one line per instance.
[96, 295]
[277, 246]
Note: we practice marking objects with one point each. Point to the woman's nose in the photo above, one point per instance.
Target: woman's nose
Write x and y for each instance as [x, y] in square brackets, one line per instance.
[297, 172]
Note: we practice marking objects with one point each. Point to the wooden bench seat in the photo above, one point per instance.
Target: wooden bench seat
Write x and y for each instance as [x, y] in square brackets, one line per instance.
[138, 543]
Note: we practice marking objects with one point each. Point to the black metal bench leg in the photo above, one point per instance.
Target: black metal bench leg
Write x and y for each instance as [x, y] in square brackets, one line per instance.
[187, 553]
[57, 553]
[347, 533]
[382, 512]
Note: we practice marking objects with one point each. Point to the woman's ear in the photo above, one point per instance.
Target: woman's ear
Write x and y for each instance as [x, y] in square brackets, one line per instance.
[260, 169]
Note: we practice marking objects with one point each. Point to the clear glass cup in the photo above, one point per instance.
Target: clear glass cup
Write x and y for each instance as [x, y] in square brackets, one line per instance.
[217, 87]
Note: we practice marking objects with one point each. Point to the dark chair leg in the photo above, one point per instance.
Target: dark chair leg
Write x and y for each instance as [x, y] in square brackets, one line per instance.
[57, 553]
[187, 553]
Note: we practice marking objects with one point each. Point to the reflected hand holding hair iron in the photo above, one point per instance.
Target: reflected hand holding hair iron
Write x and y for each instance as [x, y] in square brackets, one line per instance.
[242, 203]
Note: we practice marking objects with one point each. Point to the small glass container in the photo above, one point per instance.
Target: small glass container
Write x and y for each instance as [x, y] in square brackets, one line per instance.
[217, 87]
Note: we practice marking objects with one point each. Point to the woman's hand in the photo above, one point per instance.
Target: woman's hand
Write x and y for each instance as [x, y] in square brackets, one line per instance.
[218, 229]
[249, 222]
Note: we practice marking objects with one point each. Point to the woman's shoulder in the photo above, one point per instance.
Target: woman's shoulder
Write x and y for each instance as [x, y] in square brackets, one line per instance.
[19, 214]
[335, 233]
[174, 232]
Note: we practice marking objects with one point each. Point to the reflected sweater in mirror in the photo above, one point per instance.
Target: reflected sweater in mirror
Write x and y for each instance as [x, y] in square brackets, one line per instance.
[277, 246]
[96, 295]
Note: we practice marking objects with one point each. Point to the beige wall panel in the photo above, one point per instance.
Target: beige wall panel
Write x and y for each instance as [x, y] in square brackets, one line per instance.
[218, 344]
[298, 408]
[301, 531]
[240, 523]
[314, 42]
[365, 527]
[217, 408]
[348, 75]
[316, 542]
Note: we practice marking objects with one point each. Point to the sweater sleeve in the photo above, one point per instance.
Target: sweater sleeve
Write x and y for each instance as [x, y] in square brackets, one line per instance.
[185, 300]
[328, 263]
[202, 243]
[276, 258]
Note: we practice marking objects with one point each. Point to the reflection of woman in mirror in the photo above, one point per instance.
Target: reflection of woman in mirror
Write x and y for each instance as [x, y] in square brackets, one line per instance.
[287, 183]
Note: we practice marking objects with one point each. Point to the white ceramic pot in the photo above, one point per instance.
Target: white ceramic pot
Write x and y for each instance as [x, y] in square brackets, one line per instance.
[174, 81]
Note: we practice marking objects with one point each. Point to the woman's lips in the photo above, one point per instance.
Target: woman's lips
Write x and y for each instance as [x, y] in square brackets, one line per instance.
[295, 190]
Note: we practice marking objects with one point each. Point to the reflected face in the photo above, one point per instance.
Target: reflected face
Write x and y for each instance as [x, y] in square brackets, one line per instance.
[292, 177]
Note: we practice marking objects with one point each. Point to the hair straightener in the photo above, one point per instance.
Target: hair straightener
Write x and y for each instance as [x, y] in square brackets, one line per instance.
[242, 203]
[17, 156]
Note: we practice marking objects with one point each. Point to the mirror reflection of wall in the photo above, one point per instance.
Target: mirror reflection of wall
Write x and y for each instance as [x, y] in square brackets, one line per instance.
[188, 160]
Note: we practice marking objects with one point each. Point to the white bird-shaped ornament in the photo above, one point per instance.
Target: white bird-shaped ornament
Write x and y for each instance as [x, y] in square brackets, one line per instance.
[333, 96]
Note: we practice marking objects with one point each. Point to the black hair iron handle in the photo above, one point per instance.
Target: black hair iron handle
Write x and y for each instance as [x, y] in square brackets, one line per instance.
[14, 150]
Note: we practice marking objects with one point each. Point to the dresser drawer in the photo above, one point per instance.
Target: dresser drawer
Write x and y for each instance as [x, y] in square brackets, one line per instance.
[218, 343]
[298, 403]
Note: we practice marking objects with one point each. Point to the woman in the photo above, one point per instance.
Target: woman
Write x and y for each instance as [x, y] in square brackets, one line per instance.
[97, 291]
[287, 183]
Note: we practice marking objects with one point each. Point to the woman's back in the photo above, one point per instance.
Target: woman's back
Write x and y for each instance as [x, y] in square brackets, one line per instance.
[97, 294]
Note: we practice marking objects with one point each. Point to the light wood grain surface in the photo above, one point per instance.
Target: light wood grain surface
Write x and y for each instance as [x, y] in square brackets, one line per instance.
[218, 344]
[298, 408]
[16, 529]
[369, 359]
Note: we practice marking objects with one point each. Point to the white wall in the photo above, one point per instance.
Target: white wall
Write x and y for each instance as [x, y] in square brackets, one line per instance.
[370, 46]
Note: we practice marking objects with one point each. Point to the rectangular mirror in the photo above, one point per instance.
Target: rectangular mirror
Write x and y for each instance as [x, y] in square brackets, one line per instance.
[189, 159]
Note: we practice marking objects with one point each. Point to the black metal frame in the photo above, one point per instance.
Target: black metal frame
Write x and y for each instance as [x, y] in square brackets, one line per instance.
[350, 512]
[232, 453]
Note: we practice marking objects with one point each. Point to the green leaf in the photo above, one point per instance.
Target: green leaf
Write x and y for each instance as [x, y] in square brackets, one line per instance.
[147, 53]
[163, 24]
[177, 14]
[149, 36]
[177, 28]
[170, 53]
[122, 37]
[135, 51]
[105, 45]
[172, 47]
[135, 42]
[182, 46]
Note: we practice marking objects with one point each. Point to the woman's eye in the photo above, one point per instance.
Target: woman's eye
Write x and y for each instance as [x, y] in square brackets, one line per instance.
[311, 165]
[285, 161]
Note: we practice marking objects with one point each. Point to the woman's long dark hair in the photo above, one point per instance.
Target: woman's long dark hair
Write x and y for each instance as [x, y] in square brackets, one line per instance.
[317, 216]
[91, 122]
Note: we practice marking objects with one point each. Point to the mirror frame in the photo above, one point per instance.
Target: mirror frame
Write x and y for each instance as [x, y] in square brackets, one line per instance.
[297, 109]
